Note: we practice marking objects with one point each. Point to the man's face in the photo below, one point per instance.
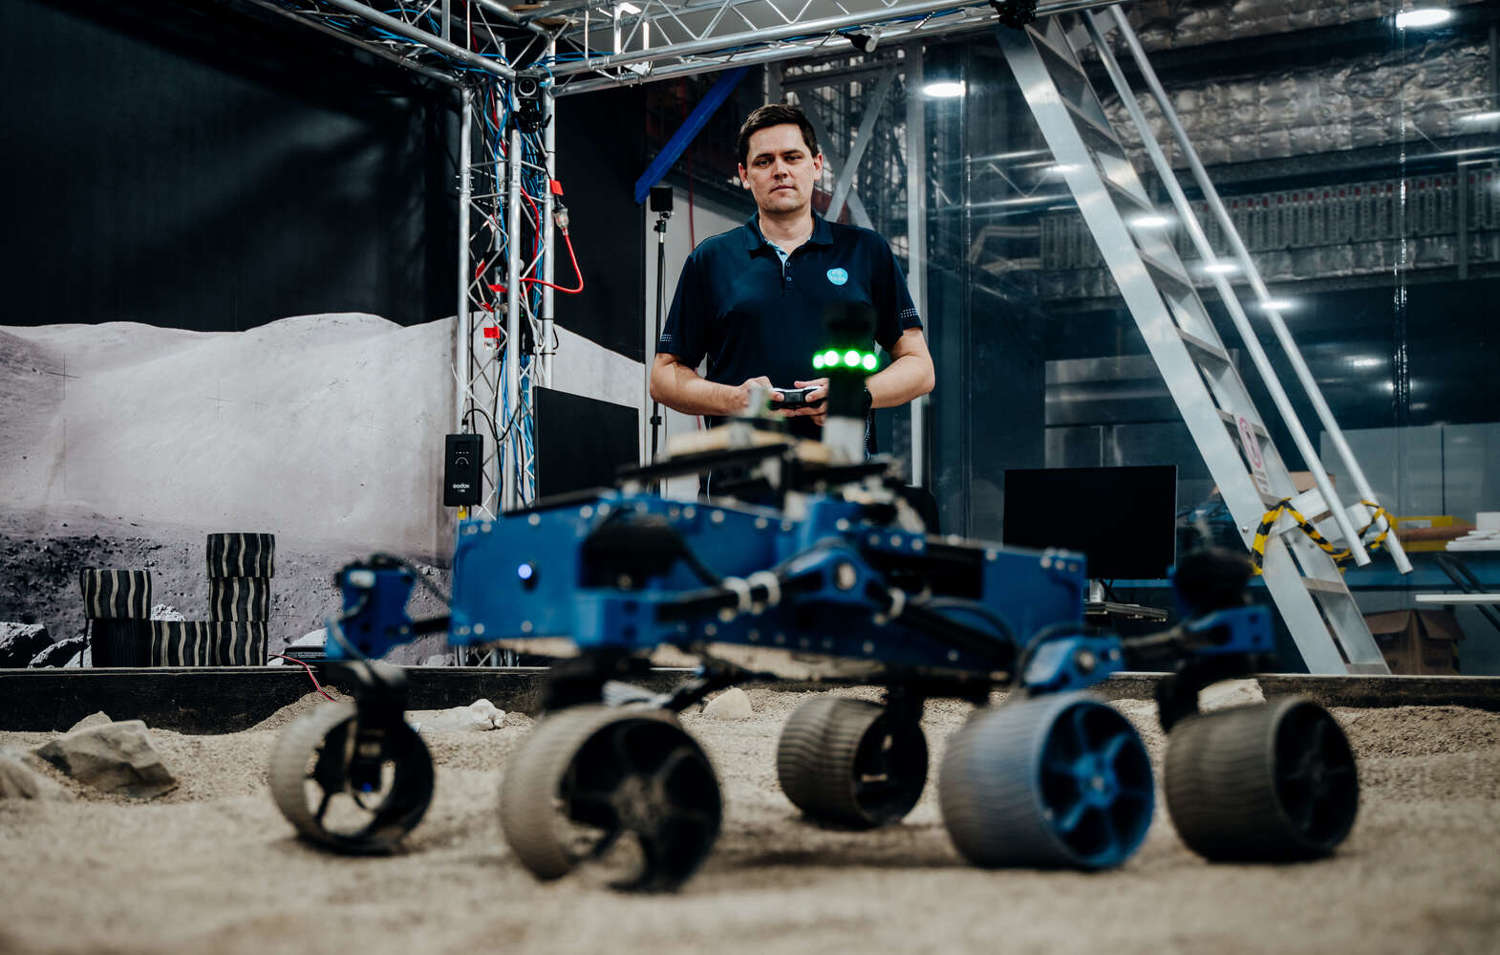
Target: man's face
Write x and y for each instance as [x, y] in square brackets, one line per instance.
[781, 172]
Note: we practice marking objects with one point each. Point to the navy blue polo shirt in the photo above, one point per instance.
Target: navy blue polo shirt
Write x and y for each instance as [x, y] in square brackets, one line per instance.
[752, 314]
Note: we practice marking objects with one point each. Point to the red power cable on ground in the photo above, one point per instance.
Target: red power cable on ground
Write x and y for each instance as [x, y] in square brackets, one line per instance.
[310, 675]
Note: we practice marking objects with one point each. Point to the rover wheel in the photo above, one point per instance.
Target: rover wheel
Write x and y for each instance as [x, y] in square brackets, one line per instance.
[1058, 781]
[624, 788]
[849, 763]
[312, 784]
[1269, 782]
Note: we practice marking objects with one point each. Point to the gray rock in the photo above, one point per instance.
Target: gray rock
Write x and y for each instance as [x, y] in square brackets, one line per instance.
[480, 715]
[732, 704]
[20, 642]
[100, 718]
[166, 612]
[19, 781]
[1230, 693]
[16, 781]
[59, 653]
[117, 757]
[313, 638]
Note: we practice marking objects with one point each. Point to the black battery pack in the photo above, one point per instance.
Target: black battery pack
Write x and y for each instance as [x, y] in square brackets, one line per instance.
[463, 457]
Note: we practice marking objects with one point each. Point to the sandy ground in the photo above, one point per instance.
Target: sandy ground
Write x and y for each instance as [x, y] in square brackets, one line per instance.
[212, 866]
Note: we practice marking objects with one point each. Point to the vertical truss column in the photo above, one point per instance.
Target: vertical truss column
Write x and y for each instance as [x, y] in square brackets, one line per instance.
[463, 335]
[916, 235]
[488, 188]
[481, 340]
[549, 236]
[510, 484]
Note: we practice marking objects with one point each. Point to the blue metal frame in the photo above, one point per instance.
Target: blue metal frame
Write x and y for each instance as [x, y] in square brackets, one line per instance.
[688, 131]
[519, 577]
[527, 575]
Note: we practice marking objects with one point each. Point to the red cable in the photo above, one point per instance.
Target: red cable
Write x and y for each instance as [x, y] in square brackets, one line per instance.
[576, 271]
[310, 675]
[536, 218]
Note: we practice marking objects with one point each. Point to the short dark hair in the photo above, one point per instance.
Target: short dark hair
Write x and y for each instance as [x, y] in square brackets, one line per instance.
[775, 114]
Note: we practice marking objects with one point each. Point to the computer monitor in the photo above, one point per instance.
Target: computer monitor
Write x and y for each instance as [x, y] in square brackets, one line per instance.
[581, 442]
[1123, 519]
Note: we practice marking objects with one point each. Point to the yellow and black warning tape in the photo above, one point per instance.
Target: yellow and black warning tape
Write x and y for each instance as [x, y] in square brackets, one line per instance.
[1263, 532]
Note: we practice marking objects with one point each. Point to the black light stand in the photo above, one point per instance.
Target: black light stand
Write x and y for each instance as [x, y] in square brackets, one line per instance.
[661, 204]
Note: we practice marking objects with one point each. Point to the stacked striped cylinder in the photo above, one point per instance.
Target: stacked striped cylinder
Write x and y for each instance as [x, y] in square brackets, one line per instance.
[180, 643]
[117, 604]
[240, 568]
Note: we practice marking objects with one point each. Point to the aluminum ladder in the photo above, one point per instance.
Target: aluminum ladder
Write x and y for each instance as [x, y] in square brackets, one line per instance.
[1303, 580]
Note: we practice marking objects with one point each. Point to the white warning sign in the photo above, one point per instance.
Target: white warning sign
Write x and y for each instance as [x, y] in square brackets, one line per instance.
[1253, 455]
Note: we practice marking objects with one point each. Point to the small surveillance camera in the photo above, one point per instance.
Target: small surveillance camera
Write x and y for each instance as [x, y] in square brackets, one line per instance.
[528, 85]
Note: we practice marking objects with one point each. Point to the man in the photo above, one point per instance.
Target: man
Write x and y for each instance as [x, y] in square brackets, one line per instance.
[753, 299]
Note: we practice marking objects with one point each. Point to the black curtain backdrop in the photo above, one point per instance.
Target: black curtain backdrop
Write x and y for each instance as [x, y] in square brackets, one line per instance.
[211, 167]
[601, 151]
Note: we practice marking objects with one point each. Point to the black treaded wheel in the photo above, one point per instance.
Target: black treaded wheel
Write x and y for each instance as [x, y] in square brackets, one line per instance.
[625, 788]
[1272, 782]
[1061, 780]
[848, 763]
[311, 786]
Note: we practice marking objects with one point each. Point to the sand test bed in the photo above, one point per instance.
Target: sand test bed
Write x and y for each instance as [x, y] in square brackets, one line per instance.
[213, 867]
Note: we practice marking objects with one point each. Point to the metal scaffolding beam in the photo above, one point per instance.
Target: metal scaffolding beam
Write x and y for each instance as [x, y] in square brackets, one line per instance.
[418, 35]
[666, 38]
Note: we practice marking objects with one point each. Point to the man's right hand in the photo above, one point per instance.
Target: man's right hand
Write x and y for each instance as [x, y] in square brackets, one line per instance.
[742, 393]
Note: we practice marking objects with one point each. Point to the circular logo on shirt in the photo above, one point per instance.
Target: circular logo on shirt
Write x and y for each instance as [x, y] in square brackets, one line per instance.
[838, 276]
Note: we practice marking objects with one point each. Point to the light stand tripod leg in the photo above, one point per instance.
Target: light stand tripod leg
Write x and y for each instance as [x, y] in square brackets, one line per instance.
[661, 278]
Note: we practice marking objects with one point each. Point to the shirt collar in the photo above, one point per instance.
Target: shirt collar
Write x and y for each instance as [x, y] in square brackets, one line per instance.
[822, 234]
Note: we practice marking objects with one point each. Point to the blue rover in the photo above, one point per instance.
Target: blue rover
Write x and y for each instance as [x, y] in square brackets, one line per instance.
[831, 576]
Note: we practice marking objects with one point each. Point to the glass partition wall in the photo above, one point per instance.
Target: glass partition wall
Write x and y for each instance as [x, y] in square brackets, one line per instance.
[1360, 160]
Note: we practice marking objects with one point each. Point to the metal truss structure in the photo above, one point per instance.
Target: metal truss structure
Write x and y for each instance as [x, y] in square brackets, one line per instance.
[609, 42]
[509, 67]
[506, 217]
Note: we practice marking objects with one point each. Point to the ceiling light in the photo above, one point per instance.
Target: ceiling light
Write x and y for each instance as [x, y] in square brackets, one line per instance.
[1422, 17]
[1061, 169]
[944, 89]
[1221, 268]
[1151, 222]
[1367, 361]
[1489, 116]
[1277, 304]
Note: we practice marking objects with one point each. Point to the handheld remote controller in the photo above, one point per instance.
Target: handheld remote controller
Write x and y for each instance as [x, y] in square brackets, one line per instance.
[794, 397]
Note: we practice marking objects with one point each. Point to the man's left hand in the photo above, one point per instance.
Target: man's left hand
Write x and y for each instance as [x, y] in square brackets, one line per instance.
[817, 401]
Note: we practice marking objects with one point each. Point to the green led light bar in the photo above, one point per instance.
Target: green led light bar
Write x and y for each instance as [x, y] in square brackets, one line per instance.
[852, 358]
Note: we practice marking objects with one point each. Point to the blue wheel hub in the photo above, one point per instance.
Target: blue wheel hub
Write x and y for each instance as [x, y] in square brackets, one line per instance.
[1095, 783]
[1050, 781]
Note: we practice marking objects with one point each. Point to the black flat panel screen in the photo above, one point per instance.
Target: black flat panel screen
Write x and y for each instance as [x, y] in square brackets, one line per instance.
[601, 149]
[1123, 519]
[581, 442]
